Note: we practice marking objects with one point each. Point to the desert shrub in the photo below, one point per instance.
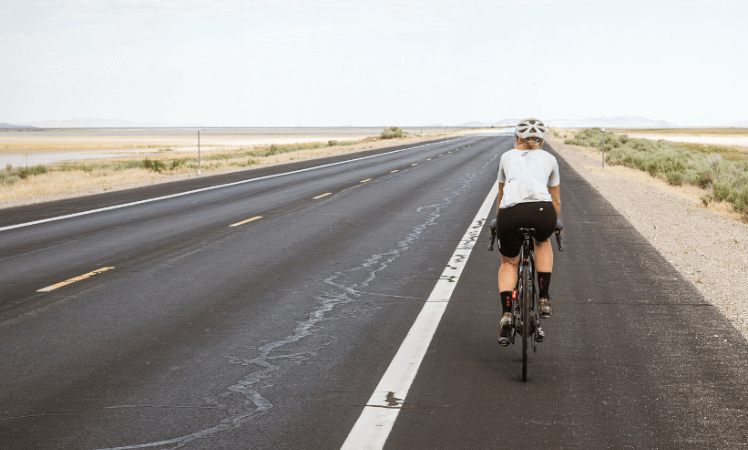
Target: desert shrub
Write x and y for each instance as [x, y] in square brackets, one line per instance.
[674, 178]
[8, 178]
[154, 165]
[392, 132]
[700, 165]
[129, 165]
[176, 163]
[26, 172]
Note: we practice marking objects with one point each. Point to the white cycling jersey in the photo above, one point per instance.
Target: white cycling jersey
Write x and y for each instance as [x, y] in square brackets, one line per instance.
[526, 175]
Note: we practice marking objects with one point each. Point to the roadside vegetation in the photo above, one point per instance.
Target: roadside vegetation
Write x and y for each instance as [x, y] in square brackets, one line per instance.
[721, 171]
[240, 158]
[392, 132]
[22, 185]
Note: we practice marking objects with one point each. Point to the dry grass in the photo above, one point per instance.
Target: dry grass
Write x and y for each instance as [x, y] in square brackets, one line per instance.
[101, 176]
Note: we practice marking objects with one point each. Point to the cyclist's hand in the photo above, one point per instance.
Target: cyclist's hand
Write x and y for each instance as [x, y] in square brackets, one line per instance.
[559, 226]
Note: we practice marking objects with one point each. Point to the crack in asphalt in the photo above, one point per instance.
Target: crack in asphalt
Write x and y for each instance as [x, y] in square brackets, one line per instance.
[251, 404]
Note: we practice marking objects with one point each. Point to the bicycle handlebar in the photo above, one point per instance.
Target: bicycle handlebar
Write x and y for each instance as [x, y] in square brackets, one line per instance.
[559, 229]
[492, 240]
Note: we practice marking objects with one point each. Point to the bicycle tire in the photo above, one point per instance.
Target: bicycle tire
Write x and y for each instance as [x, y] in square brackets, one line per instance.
[526, 299]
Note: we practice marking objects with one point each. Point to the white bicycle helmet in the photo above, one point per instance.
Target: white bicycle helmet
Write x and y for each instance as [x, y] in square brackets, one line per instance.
[530, 128]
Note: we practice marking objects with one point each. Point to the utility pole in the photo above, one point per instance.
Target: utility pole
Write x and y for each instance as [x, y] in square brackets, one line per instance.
[603, 148]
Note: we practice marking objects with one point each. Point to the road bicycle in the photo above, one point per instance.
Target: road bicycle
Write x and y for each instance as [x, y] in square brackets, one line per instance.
[525, 296]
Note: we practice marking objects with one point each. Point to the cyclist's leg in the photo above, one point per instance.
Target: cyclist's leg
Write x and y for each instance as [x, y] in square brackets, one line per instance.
[544, 256]
[546, 222]
[544, 266]
[508, 273]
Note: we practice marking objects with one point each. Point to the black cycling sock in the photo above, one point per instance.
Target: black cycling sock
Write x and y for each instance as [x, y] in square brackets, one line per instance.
[506, 301]
[544, 280]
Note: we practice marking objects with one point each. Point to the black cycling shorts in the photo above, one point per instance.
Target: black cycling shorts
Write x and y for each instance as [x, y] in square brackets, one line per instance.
[538, 215]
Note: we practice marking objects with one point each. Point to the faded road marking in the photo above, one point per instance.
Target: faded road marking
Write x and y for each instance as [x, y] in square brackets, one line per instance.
[73, 280]
[323, 195]
[366, 180]
[395, 171]
[245, 221]
[379, 415]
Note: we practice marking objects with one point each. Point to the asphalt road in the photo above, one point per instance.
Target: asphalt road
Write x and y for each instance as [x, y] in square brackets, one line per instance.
[275, 333]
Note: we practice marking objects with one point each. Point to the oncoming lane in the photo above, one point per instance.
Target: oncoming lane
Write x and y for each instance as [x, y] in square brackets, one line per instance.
[208, 332]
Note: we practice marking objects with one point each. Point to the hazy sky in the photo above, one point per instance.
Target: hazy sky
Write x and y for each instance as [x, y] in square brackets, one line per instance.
[408, 62]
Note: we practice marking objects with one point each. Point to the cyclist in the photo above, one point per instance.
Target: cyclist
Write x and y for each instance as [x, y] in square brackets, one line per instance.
[529, 196]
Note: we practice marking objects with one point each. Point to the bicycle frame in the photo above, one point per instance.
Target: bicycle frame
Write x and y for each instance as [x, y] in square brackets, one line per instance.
[526, 304]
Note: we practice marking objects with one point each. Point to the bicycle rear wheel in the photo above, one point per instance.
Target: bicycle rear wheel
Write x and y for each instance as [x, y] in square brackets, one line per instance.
[526, 299]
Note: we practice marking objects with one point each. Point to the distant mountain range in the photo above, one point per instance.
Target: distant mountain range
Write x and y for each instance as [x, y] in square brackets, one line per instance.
[612, 122]
[93, 123]
[8, 126]
[741, 124]
[609, 122]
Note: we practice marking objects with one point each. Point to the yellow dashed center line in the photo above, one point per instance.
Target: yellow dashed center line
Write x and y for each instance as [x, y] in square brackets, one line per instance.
[73, 280]
[245, 221]
[366, 180]
[429, 159]
[323, 195]
[395, 171]
[415, 164]
[441, 155]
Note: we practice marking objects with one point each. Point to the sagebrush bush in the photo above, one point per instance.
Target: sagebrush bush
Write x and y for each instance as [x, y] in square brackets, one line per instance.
[154, 165]
[392, 132]
[699, 165]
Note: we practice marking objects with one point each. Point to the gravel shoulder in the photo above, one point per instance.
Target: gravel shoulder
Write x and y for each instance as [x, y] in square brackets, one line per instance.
[709, 247]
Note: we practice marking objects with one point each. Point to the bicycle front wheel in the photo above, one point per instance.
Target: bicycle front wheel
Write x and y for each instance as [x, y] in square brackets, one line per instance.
[526, 299]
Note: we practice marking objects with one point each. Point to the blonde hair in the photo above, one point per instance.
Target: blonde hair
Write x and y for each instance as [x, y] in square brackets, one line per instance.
[522, 144]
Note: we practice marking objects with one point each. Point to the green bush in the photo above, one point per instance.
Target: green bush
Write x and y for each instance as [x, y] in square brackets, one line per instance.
[176, 163]
[8, 178]
[674, 178]
[128, 165]
[392, 132]
[154, 165]
[703, 166]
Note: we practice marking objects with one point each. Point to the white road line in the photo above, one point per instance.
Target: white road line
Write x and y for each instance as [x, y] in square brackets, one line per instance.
[376, 421]
[209, 188]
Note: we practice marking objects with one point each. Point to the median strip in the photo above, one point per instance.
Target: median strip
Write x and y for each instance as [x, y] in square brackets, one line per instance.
[323, 195]
[245, 221]
[73, 280]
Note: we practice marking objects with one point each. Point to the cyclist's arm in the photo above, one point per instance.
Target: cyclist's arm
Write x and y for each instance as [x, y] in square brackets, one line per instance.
[501, 194]
[555, 192]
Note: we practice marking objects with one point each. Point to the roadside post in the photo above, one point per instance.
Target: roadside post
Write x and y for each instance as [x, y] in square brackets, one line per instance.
[198, 152]
[603, 148]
